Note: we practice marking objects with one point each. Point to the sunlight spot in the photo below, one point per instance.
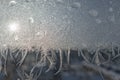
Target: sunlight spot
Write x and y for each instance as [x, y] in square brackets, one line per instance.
[13, 27]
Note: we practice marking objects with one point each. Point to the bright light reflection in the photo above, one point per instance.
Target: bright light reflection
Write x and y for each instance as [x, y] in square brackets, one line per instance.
[13, 27]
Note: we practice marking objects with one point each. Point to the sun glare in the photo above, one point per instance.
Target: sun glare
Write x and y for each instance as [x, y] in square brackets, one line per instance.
[13, 27]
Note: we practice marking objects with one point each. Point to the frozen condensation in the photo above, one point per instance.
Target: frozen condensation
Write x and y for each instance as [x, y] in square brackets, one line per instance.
[112, 18]
[55, 31]
[41, 34]
[111, 9]
[31, 20]
[59, 23]
[60, 1]
[93, 13]
[76, 5]
[12, 3]
[98, 21]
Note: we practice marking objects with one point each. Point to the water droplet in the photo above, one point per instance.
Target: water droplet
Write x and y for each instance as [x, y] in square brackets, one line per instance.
[76, 5]
[112, 18]
[110, 2]
[93, 13]
[111, 9]
[12, 3]
[31, 20]
[65, 17]
[40, 34]
[98, 21]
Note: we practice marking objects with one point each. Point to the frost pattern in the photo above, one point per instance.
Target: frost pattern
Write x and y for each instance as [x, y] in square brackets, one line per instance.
[58, 23]
[47, 62]
[59, 27]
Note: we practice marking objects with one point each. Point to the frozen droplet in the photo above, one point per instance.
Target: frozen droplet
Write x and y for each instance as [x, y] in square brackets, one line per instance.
[65, 17]
[60, 1]
[93, 12]
[98, 21]
[40, 34]
[27, 0]
[110, 2]
[12, 3]
[111, 9]
[69, 8]
[76, 5]
[84, 45]
[31, 20]
[111, 18]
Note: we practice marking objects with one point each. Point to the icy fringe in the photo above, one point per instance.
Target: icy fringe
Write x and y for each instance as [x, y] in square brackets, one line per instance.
[47, 60]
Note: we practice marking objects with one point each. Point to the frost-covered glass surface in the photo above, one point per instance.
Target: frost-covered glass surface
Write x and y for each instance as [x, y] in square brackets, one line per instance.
[59, 39]
[59, 23]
